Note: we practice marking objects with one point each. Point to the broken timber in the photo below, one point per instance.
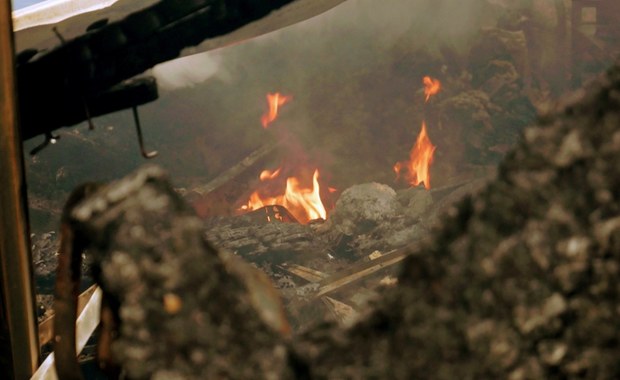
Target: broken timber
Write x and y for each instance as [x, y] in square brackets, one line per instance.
[305, 273]
[360, 271]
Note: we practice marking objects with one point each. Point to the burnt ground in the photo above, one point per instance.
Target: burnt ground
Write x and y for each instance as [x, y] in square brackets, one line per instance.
[520, 281]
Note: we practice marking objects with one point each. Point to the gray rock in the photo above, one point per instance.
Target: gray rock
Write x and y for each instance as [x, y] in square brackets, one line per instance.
[362, 207]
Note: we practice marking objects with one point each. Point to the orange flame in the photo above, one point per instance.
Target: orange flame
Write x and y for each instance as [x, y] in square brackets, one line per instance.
[420, 160]
[431, 87]
[268, 174]
[304, 204]
[275, 101]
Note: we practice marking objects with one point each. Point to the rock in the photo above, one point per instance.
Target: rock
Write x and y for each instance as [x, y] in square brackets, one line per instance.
[363, 207]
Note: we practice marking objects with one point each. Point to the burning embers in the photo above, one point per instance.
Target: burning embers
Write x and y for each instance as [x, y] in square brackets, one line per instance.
[302, 201]
[417, 169]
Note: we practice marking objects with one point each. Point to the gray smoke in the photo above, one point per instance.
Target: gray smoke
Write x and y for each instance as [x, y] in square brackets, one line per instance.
[186, 71]
[353, 28]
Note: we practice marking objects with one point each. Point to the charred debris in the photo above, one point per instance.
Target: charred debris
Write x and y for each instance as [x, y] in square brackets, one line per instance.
[507, 273]
[519, 280]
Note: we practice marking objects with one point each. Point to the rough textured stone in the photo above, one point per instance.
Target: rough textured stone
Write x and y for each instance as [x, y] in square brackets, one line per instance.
[363, 207]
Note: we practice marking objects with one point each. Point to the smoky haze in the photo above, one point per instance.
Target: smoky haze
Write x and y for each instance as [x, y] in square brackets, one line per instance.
[348, 70]
[355, 74]
[354, 28]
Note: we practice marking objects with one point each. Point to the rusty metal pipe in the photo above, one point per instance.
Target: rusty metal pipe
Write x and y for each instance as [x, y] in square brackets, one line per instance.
[15, 256]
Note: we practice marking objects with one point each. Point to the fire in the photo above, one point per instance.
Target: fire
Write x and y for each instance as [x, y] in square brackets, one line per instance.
[275, 101]
[431, 87]
[268, 174]
[303, 203]
[420, 160]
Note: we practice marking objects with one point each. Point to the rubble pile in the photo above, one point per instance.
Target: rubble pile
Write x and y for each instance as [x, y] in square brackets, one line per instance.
[366, 218]
[521, 281]
[185, 310]
[307, 262]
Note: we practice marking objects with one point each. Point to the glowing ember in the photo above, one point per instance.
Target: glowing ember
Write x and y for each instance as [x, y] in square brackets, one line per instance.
[303, 203]
[275, 101]
[420, 160]
[431, 87]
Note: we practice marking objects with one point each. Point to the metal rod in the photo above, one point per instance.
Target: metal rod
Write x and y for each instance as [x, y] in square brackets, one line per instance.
[136, 119]
[15, 256]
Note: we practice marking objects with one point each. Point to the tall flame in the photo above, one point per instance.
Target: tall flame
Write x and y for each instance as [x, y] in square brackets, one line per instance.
[431, 87]
[304, 204]
[298, 199]
[275, 101]
[420, 160]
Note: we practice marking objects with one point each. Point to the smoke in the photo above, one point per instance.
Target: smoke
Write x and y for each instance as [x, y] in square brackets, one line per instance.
[356, 27]
[355, 73]
[187, 71]
[436, 21]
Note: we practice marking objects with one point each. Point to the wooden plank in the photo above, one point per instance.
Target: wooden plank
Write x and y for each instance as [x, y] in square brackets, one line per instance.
[305, 273]
[46, 327]
[360, 271]
[85, 325]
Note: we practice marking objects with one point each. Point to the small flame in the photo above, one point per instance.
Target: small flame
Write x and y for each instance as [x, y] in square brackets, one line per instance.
[431, 87]
[275, 101]
[420, 160]
[304, 204]
[266, 175]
